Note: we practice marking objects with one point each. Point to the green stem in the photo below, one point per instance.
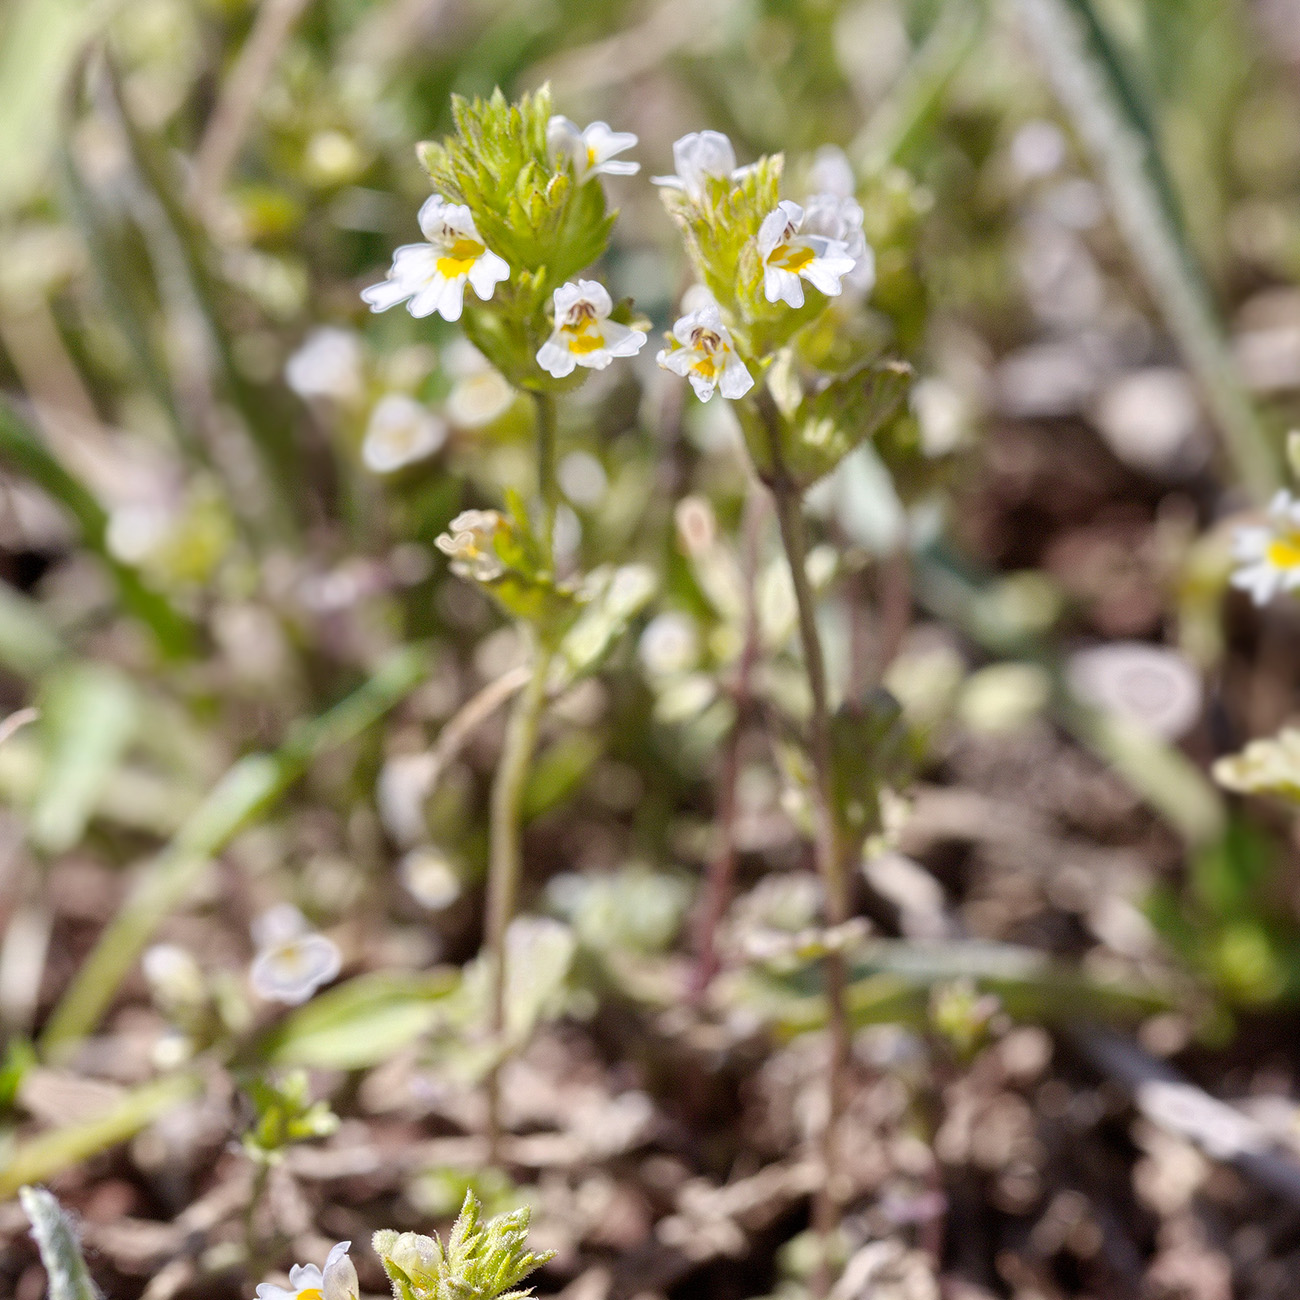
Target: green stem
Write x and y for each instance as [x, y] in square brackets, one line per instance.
[547, 484]
[829, 844]
[505, 859]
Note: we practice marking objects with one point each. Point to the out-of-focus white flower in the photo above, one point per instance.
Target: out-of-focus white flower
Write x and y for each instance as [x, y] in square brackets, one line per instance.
[583, 334]
[832, 173]
[327, 364]
[582, 478]
[838, 218]
[1268, 554]
[700, 157]
[1038, 149]
[430, 878]
[481, 393]
[400, 432]
[789, 256]
[433, 275]
[470, 542]
[592, 151]
[338, 1281]
[292, 960]
[669, 645]
[404, 784]
[173, 975]
[702, 351]
[1154, 688]
[137, 530]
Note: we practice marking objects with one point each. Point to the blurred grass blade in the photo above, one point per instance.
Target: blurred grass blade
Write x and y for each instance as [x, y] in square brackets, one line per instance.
[1165, 777]
[361, 1023]
[23, 450]
[1103, 102]
[262, 409]
[916, 98]
[243, 794]
[39, 40]
[88, 715]
[65, 1266]
[50, 1153]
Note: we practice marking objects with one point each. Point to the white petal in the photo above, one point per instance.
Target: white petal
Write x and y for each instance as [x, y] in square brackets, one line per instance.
[770, 234]
[618, 167]
[604, 142]
[305, 1276]
[425, 302]
[621, 340]
[596, 359]
[452, 298]
[555, 358]
[678, 360]
[735, 380]
[596, 294]
[487, 272]
[782, 286]
[825, 273]
[385, 294]
[432, 215]
[270, 1291]
[703, 387]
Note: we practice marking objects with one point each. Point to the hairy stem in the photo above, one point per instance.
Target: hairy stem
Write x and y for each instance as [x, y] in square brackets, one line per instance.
[828, 843]
[505, 857]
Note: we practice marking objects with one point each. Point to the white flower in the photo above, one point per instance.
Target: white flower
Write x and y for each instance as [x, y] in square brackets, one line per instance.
[832, 173]
[700, 157]
[400, 431]
[292, 960]
[327, 364]
[1268, 554]
[584, 335]
[307, 1282]
[1154, 688]
[481, 393]
[591, 151]
[470, 543]
[703, 352]
[433, 275]
[788, 255]
[838, 218]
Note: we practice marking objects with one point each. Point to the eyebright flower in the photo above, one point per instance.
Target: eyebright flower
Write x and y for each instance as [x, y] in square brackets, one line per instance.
[470, 543]
[1268, 554]
[788, 255]
[292, 960]
[400, 431]
[433, 275]
[700, 157]
[328, 364]
[307, 1282]
[481, 393]
[838, 217]
[584, 335]
[702, 351]
[592, 151]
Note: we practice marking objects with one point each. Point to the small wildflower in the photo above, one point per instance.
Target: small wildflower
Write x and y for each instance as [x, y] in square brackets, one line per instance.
[789, 255]
[592, 151]
[584, 335]
[700, 157]
[1268, 554]
[838, 218]
[481, 393]
[702, 351]
[433, 274]
[338, 1281]
[292, 960]
[1154, 688]
[400, 432]
[328, 364]
[470, 542]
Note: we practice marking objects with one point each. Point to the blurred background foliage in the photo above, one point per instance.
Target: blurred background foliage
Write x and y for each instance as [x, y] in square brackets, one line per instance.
[246, 651]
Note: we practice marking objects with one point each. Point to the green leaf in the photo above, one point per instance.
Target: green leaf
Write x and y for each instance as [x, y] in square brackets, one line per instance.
[65, 1266]
[88, 716]
[360, 1023]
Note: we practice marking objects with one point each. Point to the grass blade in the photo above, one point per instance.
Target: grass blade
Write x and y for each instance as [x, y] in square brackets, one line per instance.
[1108, 112]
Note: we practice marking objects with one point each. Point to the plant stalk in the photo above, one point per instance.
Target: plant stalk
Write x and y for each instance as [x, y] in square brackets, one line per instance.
[828, 844]
[505, 857]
